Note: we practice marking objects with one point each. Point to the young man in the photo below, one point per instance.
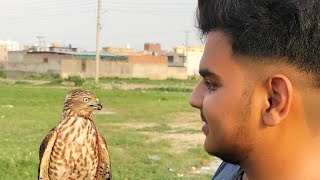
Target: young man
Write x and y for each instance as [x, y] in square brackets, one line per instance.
[259, 96]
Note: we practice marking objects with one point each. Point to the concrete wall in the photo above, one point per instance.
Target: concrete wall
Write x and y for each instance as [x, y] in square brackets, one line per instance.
[123, 69]
[66, 65]
[177, 72]
[71, 67]
[16, 56]
[21, 63]
[108, 69]
[37, 67]
[147, 59]
[47, 62]
[151, 71]
[87, 68]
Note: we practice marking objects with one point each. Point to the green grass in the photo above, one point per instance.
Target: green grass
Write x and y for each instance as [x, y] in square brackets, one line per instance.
[28, 112]
[170, 81]
[116, 80]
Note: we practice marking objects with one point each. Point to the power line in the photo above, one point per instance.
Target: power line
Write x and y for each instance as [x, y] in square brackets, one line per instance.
[50, 9]
[151, 4]
[44, 12]
[50, 6]
[46, 15]
[53, 3]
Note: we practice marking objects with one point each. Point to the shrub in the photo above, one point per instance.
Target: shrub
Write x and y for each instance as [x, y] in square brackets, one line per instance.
[78, 81]
[2, 74]
[41, 76]
[88, 84]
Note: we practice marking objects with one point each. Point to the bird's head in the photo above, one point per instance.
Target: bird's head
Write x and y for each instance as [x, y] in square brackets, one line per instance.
[81, 102]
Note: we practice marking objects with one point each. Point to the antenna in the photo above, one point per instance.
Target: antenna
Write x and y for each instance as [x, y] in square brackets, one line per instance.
[42, 43]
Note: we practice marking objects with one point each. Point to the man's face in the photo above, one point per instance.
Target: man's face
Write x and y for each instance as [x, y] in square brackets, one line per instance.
[224, 98]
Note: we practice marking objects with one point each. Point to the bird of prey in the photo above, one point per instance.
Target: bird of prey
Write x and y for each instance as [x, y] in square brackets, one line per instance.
[74, 149]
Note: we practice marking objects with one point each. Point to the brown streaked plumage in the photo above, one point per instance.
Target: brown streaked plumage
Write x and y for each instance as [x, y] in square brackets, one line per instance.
[74, 149]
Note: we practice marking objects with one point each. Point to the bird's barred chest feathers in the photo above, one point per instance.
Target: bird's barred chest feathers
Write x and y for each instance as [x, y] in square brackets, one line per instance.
[75, 150]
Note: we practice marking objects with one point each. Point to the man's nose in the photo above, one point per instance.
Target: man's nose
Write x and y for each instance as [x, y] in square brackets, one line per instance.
[196, 97]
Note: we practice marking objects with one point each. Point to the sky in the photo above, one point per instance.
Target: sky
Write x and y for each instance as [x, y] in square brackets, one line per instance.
[124, 22]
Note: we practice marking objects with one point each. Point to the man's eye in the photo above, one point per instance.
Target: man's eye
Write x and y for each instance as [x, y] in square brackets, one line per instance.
[211, 85]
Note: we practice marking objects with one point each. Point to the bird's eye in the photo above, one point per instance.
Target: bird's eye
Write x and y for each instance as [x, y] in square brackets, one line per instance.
[86, 99]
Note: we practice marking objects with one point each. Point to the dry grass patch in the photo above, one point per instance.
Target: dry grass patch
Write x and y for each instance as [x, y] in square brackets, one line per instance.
[181, 133]
[179, 142]
[185, 120]
[135, 125]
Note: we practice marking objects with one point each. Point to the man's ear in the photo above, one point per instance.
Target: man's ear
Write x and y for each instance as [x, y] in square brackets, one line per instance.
[279, 89]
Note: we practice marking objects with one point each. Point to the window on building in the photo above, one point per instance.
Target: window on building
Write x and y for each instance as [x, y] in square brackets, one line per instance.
[45, 60]
[170, 59]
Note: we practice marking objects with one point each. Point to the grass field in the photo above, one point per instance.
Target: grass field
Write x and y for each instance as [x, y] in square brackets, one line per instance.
[151, 134]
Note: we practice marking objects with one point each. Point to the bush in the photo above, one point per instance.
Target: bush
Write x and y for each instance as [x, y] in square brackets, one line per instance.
[171, 89]
[78, 81]
[2, 74]
[41, 76]
[88, 84]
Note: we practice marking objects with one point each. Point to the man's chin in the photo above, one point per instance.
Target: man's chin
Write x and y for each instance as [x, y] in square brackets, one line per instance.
[233, 156]
[210, 147]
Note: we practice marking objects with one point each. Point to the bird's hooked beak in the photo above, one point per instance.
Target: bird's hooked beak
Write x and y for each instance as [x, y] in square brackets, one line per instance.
[96, 105]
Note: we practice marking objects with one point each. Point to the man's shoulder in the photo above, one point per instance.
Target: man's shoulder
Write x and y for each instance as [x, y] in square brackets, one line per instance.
[226, 171]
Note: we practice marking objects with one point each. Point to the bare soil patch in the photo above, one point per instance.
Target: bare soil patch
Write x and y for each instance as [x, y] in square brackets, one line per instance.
[185, 120]
[180, 142]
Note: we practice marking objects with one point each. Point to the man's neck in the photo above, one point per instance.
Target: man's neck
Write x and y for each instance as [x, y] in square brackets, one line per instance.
[284, 161]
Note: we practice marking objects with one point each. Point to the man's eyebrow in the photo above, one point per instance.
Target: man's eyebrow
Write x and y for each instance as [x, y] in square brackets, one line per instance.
[208, 74]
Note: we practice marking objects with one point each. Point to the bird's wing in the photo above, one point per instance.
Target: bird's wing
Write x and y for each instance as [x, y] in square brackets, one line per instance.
[44, 154]
[105, 169]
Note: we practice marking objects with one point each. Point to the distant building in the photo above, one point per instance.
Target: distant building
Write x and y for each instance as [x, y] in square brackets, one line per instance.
[10, 45]
[193, 62]
[3, 56]
[153, 48]
[65, 49]
[190, 59]
[175, 59]
[37, 48]
[55, 47]
[182, 49]
[118, 51]
[3, 53]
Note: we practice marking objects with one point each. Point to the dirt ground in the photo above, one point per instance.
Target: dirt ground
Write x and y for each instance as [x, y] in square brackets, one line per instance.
[180, 142]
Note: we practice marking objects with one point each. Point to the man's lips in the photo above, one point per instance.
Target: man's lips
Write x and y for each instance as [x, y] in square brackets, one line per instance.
[203, 118]
[205, 127]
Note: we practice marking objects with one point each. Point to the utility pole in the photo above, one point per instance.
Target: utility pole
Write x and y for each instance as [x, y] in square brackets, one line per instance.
[98, 42]
[186, 51]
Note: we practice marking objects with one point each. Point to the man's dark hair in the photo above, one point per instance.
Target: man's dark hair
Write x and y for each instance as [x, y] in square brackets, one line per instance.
[267, 29]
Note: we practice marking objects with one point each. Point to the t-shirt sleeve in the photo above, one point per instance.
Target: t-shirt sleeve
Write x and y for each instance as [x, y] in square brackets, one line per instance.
[226, 171]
